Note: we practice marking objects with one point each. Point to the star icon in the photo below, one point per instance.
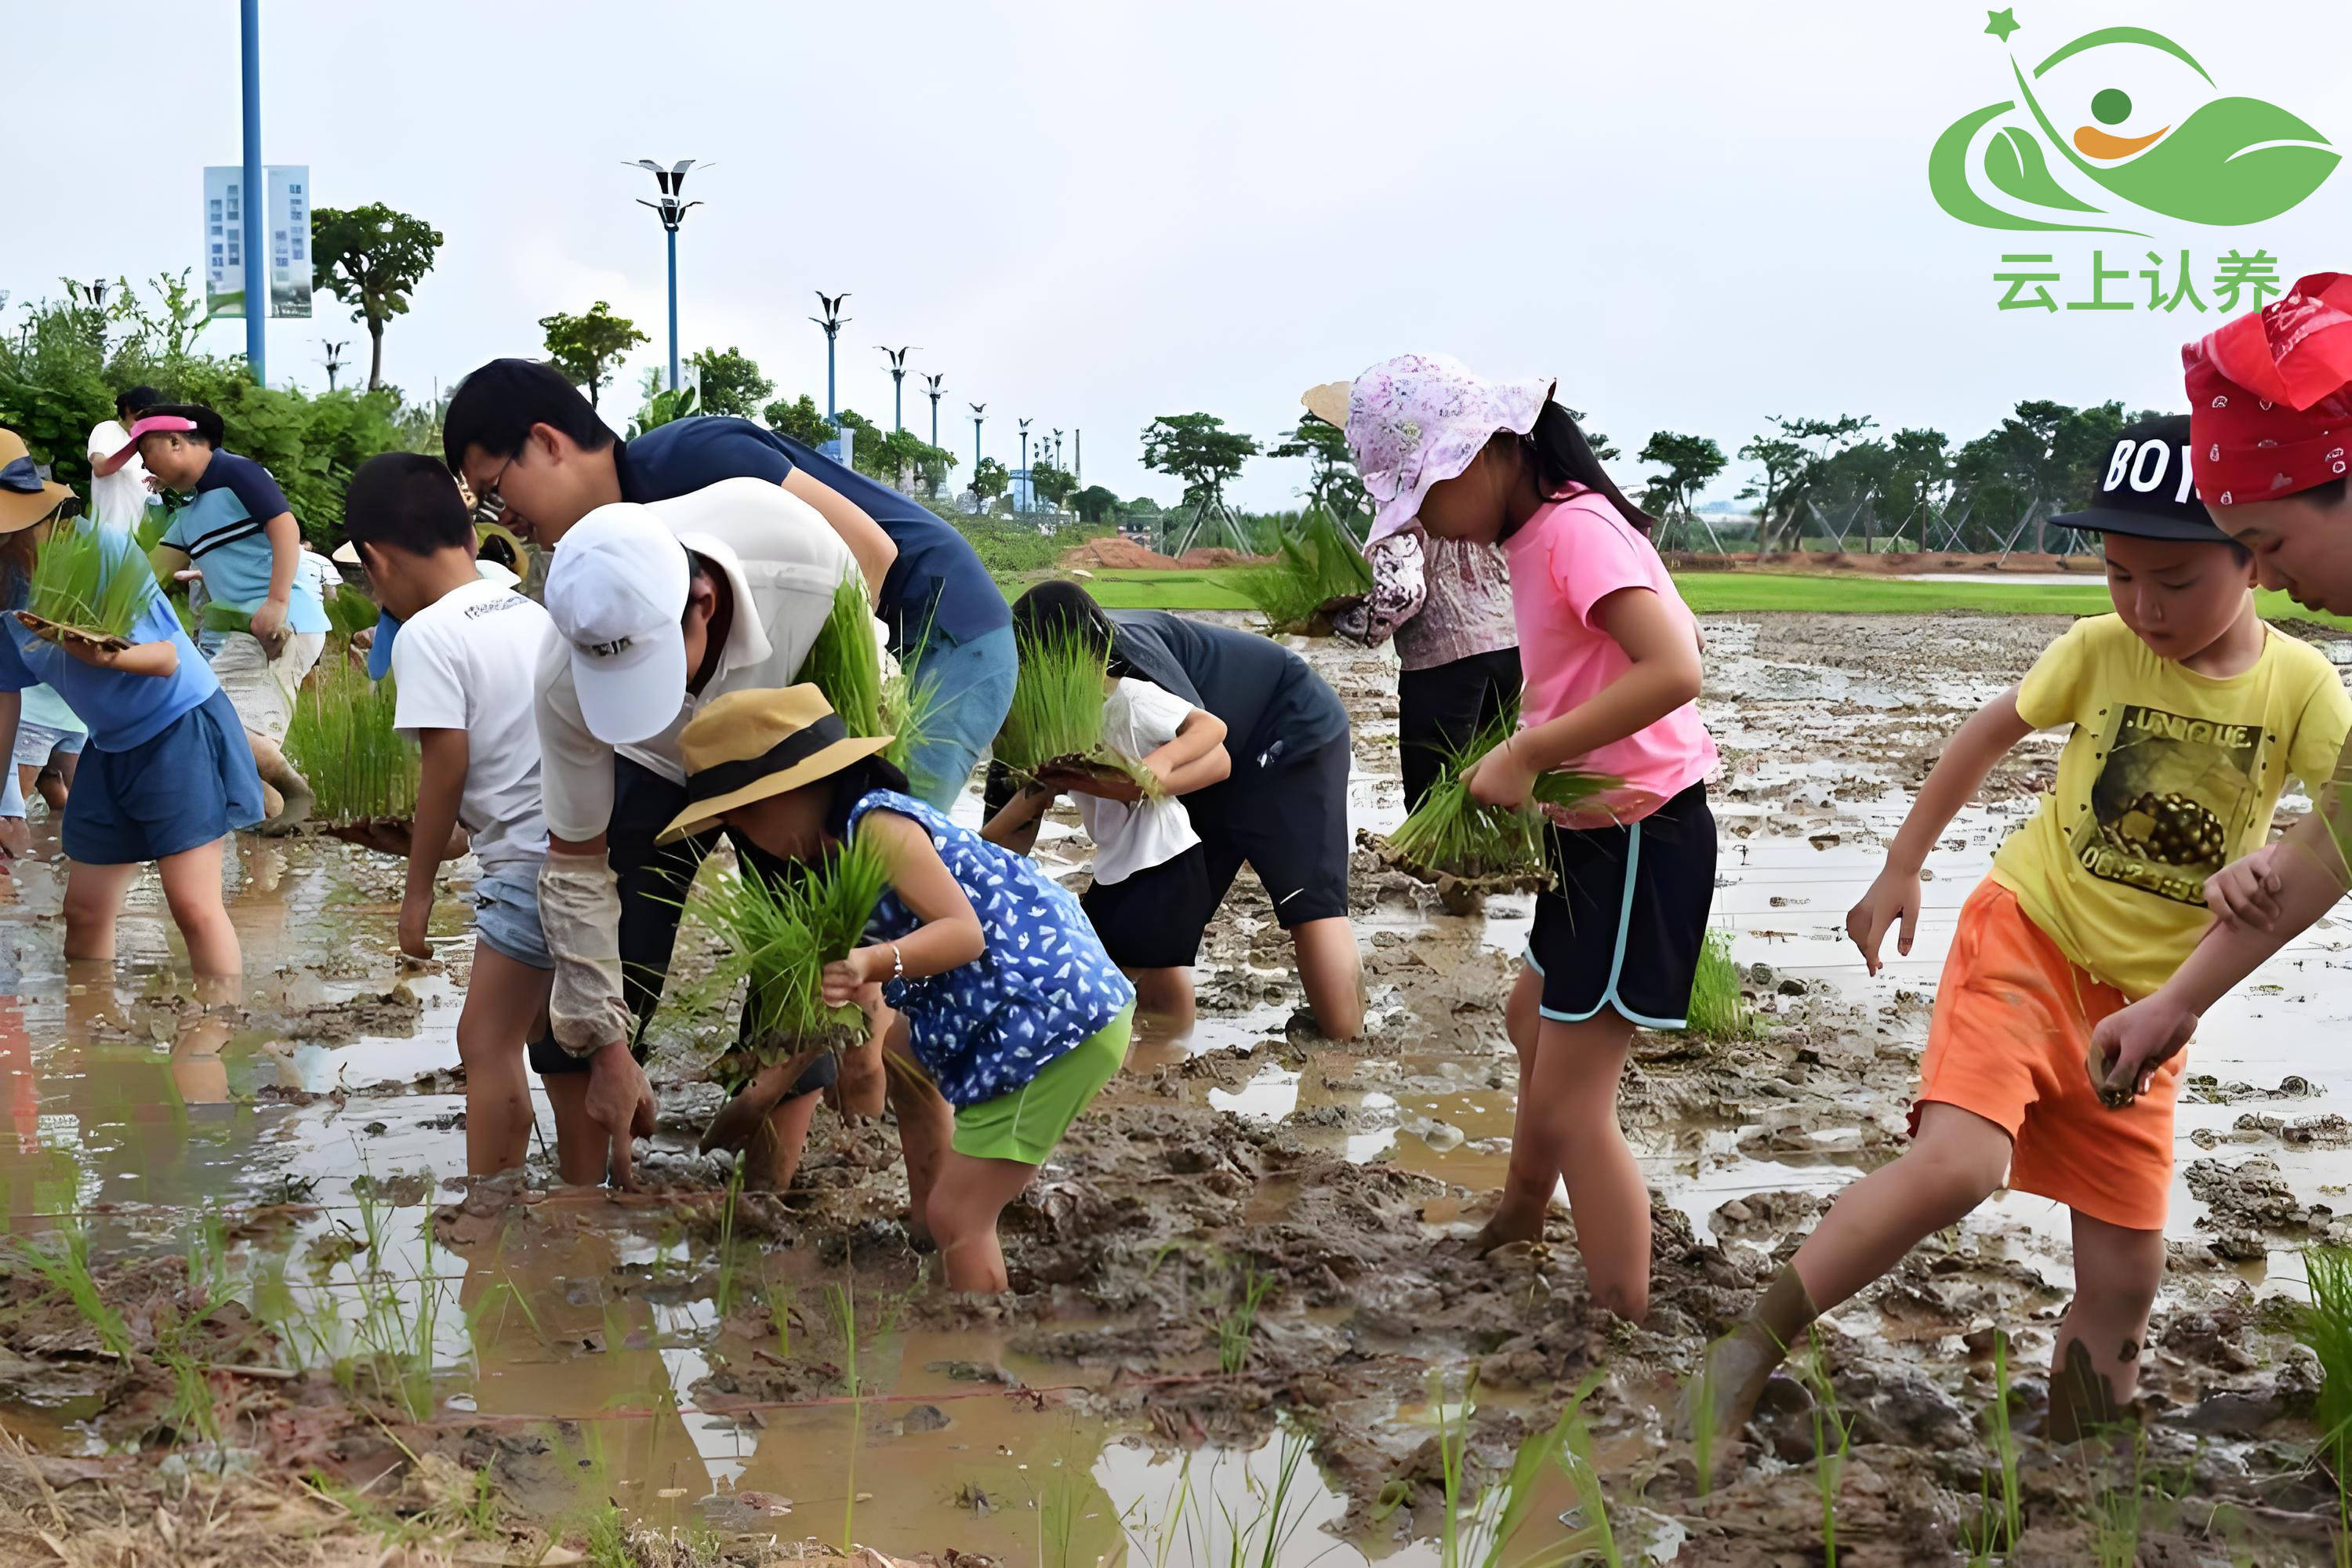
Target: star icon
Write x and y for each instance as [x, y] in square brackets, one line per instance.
[2001, 24]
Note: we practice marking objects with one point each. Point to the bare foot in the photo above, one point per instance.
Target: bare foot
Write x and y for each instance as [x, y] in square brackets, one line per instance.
[745, 1114]
[1508, 1227]
[293, 810]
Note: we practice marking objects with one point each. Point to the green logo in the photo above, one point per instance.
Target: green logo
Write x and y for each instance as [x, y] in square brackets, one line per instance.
[2147, 132]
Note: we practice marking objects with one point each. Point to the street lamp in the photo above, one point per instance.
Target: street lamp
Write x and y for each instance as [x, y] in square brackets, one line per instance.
[1057, 448]
[832, 320]
[672, 212]
[334, 360]
[979, 413]
[1021, 489]
[898, 358]
[92, 293]
[935, 381]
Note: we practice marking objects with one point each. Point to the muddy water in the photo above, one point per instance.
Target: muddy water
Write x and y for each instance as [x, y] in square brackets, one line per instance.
[688, 1358]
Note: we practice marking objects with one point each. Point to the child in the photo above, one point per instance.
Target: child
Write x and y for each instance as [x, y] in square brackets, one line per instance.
[1002, 993]
[463, 669]
[1614, 656]
[2187, 715]
[2270, 396]
[1148, 856]
[1281, 806]
[1447, 605]
[240, 534]
[166, 776]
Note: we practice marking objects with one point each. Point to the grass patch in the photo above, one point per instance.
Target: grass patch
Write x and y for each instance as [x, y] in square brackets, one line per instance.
[781, 933]
[1717, 1011]
[341, 738]
[1317, 565]
[81, 582]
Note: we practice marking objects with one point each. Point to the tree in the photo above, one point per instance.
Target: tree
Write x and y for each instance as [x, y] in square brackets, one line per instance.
[371, 259]
[989, 480]
[1095, 504]
[1332, 481]
[895, 457]
[1199, 450]
[587, 347]
[1603, 447]
[729, 381]
[801, 419]
[1052, 484]
[1690, 462]
[662, 406]
[1792, 454]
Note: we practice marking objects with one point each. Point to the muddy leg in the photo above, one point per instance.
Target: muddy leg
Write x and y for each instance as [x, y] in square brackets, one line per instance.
[1529, 1185]
[863, 1086]
[294, 790]
[774, 1155]
[93, 900]
[2094, 1367]
[506, 999]
[1331, 969]
[1578, 1067]
[582, 1147]
[926, 1129]
[192, 887]
[1957, 1161]
[56, 779]
[962, 1210]
[1164, 996]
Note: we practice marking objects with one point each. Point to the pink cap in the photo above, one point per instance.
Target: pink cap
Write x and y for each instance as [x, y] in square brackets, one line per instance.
[149, 426]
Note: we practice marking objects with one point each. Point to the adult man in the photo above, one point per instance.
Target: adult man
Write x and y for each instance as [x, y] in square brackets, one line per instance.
[658, 609]
[524, 439]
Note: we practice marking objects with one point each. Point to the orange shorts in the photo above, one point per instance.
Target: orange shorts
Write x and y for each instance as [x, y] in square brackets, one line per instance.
[2011, 1029]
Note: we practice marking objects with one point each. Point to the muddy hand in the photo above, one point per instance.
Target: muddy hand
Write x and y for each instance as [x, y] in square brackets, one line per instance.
[1894, 897]
[2128, 1048]
[619, 1099]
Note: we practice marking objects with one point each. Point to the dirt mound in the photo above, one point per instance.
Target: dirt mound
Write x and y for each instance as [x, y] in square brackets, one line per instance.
[1219, 555]
[1889, 564]
[1116, 553]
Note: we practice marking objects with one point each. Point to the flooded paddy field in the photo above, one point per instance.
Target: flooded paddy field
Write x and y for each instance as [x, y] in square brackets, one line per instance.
[252, 1312]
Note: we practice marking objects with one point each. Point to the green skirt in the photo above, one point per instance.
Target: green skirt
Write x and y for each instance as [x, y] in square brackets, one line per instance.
[1025, 1124]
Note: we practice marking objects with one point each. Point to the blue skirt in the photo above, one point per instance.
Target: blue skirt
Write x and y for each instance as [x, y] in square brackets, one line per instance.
[191, 784]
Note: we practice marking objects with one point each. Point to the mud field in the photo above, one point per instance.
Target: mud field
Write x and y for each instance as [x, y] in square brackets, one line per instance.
[1243, 1316]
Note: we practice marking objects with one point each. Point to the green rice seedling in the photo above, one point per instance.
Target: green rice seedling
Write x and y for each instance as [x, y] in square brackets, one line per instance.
[2004, 1445]
[843, 1300]
[2115, 1506]
[1233, 1329]
[1316, 565]
[81, 582]
[1716, 1011]
[1056, 717]
[781, 933]
[342, 739]
[1833, 1437]
[1452, 835]
[2324, 1326]
[722, 1294]
[783, 1300]
[845, 664]
[1701, 1404]
[1573, 1444]
[64, 1267]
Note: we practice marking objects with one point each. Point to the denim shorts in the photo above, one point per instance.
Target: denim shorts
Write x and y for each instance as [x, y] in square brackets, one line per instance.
[506, 914]
[35, 743]
[189, 784]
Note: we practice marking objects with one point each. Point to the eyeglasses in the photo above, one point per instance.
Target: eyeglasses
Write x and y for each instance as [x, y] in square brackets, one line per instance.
[488, 505]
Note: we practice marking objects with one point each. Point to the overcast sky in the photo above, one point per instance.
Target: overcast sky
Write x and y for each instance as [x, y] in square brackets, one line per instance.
[1696, 215]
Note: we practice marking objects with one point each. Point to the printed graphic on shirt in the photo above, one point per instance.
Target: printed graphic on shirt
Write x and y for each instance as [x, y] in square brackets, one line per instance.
[2169, 799]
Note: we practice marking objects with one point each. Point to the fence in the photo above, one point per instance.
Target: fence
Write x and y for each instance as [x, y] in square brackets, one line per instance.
[1988, 522]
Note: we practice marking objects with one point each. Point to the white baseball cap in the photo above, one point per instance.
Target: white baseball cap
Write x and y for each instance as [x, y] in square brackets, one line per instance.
[617, 591]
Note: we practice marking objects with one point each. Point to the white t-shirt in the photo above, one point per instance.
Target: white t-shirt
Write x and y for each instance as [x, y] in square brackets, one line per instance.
[117, 500]
[1139, 718]
[464, 662]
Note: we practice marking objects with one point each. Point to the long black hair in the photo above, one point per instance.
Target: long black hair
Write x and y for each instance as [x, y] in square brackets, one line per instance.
[1559, 456]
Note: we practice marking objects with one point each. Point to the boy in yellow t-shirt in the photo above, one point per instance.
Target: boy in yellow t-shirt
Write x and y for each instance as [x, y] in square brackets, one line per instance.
[2188, 713]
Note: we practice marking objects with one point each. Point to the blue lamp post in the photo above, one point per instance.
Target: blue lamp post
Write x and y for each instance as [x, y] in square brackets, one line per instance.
[898, 358]
[672, 212]
[935, 381]
[255, 198]
[979, 413]
[832, 320]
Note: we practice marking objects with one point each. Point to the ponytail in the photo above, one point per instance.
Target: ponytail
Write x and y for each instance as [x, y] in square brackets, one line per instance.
[1559, 455]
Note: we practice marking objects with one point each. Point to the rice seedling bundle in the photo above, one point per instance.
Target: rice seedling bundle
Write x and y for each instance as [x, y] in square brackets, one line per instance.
[81, 585]
[1318, 568]
[780, 932]
[1451, 838]
[1055, 722]
[846, 664]
[343, 741]
[1717, 1011]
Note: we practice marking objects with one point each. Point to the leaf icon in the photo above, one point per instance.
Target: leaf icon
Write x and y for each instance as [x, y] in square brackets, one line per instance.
[2235, 160]
[2013, 162]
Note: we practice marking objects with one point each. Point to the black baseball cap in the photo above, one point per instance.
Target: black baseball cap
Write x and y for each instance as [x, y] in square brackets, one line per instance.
[2145, 489]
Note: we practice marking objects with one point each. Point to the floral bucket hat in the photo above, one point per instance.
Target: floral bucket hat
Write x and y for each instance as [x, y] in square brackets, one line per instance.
[1418, 419]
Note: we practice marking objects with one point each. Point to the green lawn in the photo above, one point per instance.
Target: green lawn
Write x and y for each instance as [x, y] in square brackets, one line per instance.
[1721, 593]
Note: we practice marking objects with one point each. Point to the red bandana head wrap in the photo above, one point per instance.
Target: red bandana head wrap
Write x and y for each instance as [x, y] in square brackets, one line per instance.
[2270, 396]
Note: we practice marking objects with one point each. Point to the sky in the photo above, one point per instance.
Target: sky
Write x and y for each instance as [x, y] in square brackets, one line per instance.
[1697, 214]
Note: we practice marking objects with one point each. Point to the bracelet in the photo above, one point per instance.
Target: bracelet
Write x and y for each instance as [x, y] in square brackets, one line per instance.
[897, 963]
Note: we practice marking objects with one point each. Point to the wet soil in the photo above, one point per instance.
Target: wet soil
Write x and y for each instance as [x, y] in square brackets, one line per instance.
[1255, 1240]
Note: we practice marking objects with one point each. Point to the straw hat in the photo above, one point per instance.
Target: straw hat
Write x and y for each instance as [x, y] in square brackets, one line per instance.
[748, 745]
[26, 497]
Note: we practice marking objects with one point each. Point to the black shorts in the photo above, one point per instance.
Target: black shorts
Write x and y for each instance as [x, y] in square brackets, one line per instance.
[1151, 918]
[654, 881]
[1289, 823]
[1626, 924]
[1441, 709]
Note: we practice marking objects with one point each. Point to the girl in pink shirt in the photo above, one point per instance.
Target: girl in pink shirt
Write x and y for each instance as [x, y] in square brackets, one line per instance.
[1612, 657]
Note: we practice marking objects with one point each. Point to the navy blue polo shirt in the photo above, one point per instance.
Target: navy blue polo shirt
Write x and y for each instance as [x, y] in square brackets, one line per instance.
[1275, 708]
[936, 588]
